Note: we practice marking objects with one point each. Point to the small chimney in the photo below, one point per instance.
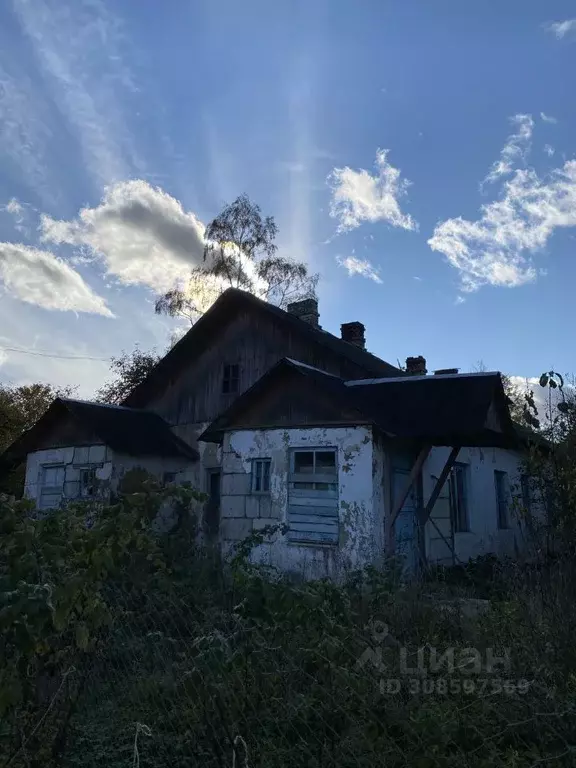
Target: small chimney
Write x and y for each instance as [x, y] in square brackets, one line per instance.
[306, 310]
[354, 333]
[445, 371]
[416, 366]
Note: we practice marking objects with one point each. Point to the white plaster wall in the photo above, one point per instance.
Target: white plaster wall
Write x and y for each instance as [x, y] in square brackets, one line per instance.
[484, 536]
[113, 467]
[71, 457]
[355, 490]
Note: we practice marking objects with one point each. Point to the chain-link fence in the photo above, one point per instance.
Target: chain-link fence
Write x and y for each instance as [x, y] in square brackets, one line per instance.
[226, 669]
[123, 647]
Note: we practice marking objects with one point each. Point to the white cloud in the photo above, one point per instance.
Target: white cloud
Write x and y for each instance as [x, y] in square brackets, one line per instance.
[497, 248]
[562, 28]
[358, 196]
[14, 207]
[547, 118]
[363, 267]
[142, 234]
[549, 150]
[515, 150]
[40, 278]
[545, 399]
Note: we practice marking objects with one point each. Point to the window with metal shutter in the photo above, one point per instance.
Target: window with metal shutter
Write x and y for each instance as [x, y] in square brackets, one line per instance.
[313, 496]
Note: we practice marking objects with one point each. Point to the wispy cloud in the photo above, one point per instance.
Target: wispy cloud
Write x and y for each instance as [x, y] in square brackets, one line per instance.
[562, 28]
[14, 207]
[515, 150]
[359, 196]
[549, 150]
[142, 234]
[80, 52]
[497, 248]
[547, 118]
[40, 278]
[362, 267]
[24, 128]
[18, 212]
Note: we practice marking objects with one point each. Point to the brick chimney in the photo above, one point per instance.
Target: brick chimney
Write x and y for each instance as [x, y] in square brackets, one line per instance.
[306, 310]
[416, 366]
[354, 333]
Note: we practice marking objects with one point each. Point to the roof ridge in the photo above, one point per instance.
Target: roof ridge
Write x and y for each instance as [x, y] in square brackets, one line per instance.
[96, 404]
[434, 377]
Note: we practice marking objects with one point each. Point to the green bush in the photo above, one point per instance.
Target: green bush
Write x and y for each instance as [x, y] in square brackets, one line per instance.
[121, 645]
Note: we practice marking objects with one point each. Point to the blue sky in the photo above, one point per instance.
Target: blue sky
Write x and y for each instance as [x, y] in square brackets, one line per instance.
[420, 156]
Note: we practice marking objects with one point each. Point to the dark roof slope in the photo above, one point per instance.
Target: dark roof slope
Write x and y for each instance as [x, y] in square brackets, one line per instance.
[126, 430]
[442, 410]
[230, 302]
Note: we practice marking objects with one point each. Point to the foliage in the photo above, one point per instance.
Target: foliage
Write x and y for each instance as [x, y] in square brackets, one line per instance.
[20, 409]
[121, 646]
[129, 369]
[548, 516]
[240, 252]
[58, 578]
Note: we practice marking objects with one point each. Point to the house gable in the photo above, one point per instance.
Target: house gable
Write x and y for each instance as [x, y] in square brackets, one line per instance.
[186, 387]
[289, 395]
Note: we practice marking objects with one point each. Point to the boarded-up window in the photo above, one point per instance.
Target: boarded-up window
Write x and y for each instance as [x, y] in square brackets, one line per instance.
[51, 486]
[313, 496]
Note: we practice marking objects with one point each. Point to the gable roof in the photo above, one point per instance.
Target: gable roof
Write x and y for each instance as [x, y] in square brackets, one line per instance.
[442, 410]
[126, 430]
[230, 302]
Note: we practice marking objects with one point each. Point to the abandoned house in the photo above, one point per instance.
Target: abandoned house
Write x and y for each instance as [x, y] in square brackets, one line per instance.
[279, 421]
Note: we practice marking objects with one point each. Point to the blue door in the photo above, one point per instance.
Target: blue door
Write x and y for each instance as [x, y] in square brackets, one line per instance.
[405, 527]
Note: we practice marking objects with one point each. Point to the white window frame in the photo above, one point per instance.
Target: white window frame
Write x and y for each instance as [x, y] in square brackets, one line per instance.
[91, 468]
[51, 490]
[265, 465]
[313, 513]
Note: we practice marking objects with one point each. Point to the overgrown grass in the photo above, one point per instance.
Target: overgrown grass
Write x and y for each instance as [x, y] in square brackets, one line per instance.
[196, 656]
[285, 667]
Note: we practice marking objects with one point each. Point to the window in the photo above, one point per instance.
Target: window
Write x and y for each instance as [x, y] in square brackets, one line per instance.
[53, 476]
[502, 498]
[458, 487]
[168, 478]
[261, 476]
[87, 482]
[51, 486]
[230, 379]
[313, 497]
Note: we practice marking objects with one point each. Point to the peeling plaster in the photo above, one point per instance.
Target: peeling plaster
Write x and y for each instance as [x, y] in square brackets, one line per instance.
[356, 520]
